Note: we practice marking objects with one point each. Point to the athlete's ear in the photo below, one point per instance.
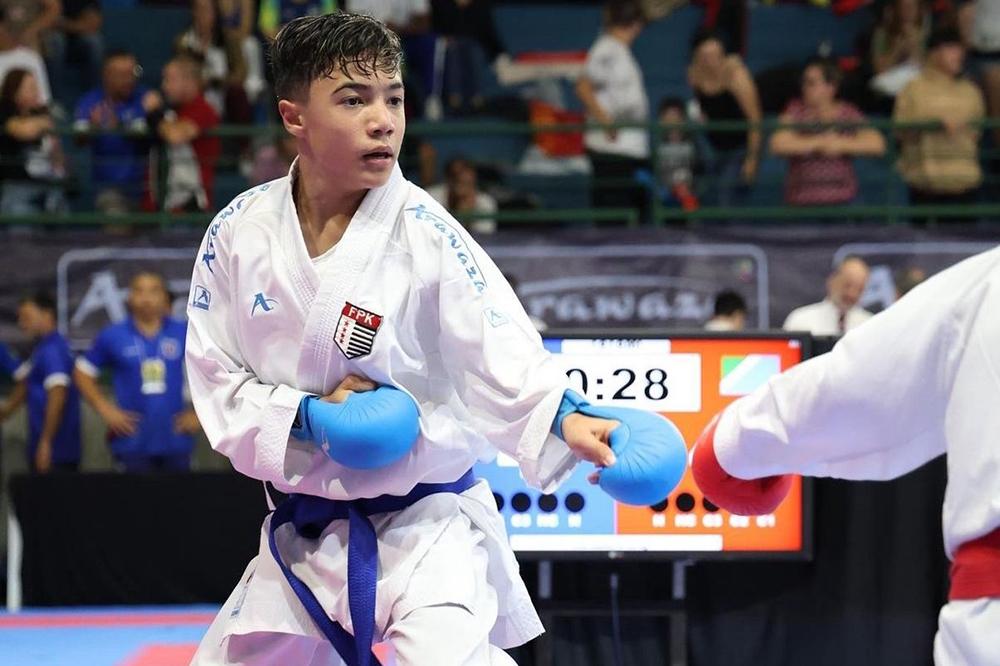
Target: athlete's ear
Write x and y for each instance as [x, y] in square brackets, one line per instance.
[291, 117]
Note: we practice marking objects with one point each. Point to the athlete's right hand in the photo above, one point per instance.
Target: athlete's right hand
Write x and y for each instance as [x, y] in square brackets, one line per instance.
[745, 497]
[350, 384]
[360, 425]
[120, 422]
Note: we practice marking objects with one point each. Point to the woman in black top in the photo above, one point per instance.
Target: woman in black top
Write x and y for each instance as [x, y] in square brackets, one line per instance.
[31, 160]
[725, 91]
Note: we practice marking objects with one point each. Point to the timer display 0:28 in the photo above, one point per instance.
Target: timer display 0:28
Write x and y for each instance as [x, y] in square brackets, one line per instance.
[629, 384]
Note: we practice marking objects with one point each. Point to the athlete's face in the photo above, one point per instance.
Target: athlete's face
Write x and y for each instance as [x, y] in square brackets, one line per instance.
[148, 298]
[350, 126]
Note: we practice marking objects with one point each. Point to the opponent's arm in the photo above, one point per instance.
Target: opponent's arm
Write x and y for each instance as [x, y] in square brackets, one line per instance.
[873, 408]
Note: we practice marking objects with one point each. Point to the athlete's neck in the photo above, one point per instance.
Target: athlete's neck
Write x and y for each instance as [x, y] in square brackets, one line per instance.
[148, 326]
[324, 212]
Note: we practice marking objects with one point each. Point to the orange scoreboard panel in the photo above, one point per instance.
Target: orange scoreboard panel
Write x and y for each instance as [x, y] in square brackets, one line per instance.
[689, 379]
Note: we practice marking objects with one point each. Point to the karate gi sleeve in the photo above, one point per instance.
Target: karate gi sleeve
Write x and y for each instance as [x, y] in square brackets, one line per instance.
[509, 383]
[874, 407]
[245, 419]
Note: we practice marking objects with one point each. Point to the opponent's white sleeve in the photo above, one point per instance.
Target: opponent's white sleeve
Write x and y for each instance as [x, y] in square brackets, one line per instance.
[874, 407]
[494, 357]
[245, 420]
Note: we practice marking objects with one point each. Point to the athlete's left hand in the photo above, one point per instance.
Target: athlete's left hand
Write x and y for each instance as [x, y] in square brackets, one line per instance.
[588, 437]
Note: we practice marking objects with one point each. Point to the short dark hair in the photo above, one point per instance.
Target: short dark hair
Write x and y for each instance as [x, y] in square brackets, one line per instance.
[944, 36]
[728, 302]
[156, 275]
[455, 163]
[623, 13]
[43, 300]
[668, 103]
[831, 73]
[708, 35]
[311, 47]
[117, 53]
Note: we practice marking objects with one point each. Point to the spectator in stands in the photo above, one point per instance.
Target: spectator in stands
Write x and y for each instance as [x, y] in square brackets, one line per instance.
[460, 194]
[839, 312]
[76, 40]
[612, 90]
[470, 34]
[982, 23]
[676, 157]
[276, 13]
[941, 166]
[14, 55]
[118, 163]
[31, 159]
[411, 20]
[820, 169]
[223, 65]
[53, 402]
[182, 126]
[907, 279]
[150, 424]
[273, 159]
[730, 312]
[725, 91]
[30, 20]
[237, 20]
[897, 47]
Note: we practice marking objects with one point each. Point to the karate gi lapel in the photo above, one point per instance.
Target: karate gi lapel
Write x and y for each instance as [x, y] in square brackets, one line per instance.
[324, 293]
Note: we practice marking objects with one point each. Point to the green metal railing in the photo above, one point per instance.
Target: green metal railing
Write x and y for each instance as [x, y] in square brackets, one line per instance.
[658, 213]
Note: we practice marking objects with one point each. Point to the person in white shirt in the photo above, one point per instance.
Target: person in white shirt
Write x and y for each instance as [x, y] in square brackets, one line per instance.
[460, 194]
[612, 90]
[839, 312]
[15, 56]
[730, 312]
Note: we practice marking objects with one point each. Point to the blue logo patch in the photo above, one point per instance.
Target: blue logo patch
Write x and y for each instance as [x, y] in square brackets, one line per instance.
[264, 303]
[495, 317]
[202, 298]
[170, 348]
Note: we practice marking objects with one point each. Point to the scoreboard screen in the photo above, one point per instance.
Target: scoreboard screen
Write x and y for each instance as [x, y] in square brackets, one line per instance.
[688, 378]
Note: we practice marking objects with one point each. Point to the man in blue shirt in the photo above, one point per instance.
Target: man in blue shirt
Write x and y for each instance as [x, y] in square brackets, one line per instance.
[150, 424]
[53, 402]
[118, 161]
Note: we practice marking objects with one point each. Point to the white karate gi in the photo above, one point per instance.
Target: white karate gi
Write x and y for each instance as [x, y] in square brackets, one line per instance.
[920, 379]
[268, 325]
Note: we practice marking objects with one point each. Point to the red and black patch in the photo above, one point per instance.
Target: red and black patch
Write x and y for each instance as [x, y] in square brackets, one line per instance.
[356, 331]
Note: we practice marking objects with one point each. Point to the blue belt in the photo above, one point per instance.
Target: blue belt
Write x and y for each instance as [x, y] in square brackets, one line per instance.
[311, 515]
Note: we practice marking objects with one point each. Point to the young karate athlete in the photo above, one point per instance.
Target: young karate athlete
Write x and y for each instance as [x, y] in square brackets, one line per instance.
[920, 379]
[351, 344]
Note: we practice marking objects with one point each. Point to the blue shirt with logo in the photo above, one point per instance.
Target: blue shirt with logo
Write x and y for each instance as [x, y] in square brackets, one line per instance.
[51, 364]
[147, 375]
[117, 160]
